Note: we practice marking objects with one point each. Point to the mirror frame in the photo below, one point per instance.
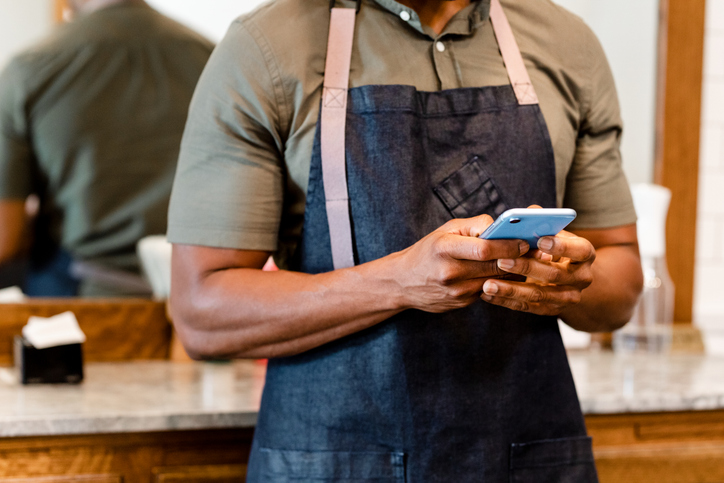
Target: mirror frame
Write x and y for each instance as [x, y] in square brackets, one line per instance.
[58, 8]
[678, 125]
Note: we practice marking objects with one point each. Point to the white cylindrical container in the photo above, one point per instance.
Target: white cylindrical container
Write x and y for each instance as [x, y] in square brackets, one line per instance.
[650, 328]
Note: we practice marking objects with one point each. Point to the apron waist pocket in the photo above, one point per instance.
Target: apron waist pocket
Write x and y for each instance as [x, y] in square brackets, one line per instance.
[565, 460]
[281, 466]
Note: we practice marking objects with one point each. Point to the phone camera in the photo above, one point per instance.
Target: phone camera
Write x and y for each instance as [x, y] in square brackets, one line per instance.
[513, 221]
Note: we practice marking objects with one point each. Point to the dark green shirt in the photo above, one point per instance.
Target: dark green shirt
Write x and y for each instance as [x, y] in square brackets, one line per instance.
[91, 120]
[244, 163]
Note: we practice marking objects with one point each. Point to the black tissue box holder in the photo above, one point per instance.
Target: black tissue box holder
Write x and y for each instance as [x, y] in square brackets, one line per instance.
[55, 365]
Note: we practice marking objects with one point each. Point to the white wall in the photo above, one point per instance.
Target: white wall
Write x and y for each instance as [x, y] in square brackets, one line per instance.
[209, 17]
[709, 273]
[22, 22]
[628, 30]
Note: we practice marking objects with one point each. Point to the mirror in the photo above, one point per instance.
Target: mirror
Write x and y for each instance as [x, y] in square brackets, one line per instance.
[91, 121]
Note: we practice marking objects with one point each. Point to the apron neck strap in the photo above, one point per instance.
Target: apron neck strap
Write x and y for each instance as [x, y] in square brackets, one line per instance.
[332, 142]
[512, 57]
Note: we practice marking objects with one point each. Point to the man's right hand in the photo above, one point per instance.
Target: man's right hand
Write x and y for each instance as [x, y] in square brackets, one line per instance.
[446, 270]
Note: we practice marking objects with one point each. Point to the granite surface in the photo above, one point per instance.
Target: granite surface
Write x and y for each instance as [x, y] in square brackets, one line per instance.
[610, 383]
[162, 396]
[134, 397]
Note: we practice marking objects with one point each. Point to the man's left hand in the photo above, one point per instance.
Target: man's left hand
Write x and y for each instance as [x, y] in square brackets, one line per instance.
[556, 274]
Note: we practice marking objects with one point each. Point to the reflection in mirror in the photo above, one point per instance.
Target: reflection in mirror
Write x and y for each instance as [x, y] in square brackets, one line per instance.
[91, 117]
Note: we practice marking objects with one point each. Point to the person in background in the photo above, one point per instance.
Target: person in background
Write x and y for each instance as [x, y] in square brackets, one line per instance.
[91, 120]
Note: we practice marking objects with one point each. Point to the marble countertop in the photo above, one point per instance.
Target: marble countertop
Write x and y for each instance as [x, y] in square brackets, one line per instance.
[609, 383]
[163, 396]
[135, 397]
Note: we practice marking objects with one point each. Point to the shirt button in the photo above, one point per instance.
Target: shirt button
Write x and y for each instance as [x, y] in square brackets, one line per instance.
[405, 15]
[440, 46]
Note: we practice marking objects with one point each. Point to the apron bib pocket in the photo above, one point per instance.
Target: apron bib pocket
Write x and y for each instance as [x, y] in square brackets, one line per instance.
[282, 466]
[471, 192]
[567, 460]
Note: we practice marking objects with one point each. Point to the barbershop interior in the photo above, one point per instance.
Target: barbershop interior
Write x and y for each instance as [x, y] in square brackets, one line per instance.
[361, 240]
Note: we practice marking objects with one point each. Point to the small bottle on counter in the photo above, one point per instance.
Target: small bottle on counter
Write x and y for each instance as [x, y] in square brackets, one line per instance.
[650, 329]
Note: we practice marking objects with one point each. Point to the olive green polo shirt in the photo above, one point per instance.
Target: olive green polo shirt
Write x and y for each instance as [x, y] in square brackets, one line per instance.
[245, 156]
[91, 120]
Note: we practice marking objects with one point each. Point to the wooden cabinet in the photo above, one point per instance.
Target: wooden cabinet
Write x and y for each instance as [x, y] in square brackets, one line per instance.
[683, 447]
[116, 329]
[200, 474]
[663, 448]
[210, 456]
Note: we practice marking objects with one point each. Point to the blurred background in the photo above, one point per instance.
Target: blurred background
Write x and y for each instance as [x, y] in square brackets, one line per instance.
[636, 45]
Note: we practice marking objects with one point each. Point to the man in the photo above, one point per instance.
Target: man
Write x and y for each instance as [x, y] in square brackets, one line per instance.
[385, 364]
[90, 121]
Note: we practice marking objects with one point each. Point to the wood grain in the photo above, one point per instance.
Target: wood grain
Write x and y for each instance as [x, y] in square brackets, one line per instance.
[662, 464]
[200, 474]
[678, 136]
[116, 329]
[685, 447]
[67, 479]
[132, 457]
[637, 429]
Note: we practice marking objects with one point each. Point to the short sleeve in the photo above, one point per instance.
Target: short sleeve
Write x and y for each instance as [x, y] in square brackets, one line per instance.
[596, 186]
[16, 155]
[228, 190]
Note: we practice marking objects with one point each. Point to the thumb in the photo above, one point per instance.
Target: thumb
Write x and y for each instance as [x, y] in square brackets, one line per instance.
[474, 226]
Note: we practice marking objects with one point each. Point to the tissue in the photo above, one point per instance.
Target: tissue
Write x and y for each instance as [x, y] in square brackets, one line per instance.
[62, 329]
[11, 295]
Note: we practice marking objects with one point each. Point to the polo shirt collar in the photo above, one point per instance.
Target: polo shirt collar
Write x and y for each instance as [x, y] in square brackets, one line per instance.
[464, 22]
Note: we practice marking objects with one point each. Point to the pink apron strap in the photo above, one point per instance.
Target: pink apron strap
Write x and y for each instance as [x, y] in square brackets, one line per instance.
[334, 120]
[517, 72]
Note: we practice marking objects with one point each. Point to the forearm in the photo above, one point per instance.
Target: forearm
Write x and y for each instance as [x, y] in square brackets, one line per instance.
[224, 305]
[608, 303]
[244, 312]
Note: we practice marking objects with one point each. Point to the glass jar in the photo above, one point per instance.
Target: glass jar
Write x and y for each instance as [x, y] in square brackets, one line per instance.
[650, 329]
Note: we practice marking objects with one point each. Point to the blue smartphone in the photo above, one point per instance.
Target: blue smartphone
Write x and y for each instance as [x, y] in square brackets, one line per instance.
[529, 224]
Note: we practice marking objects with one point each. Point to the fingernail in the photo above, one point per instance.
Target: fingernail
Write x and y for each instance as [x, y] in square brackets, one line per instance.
[490, 288]
[523, 247]
[486, 297]
[506, 264]
[545, 243]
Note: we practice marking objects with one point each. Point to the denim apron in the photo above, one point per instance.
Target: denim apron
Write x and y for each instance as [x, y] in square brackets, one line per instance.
[480, 394]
